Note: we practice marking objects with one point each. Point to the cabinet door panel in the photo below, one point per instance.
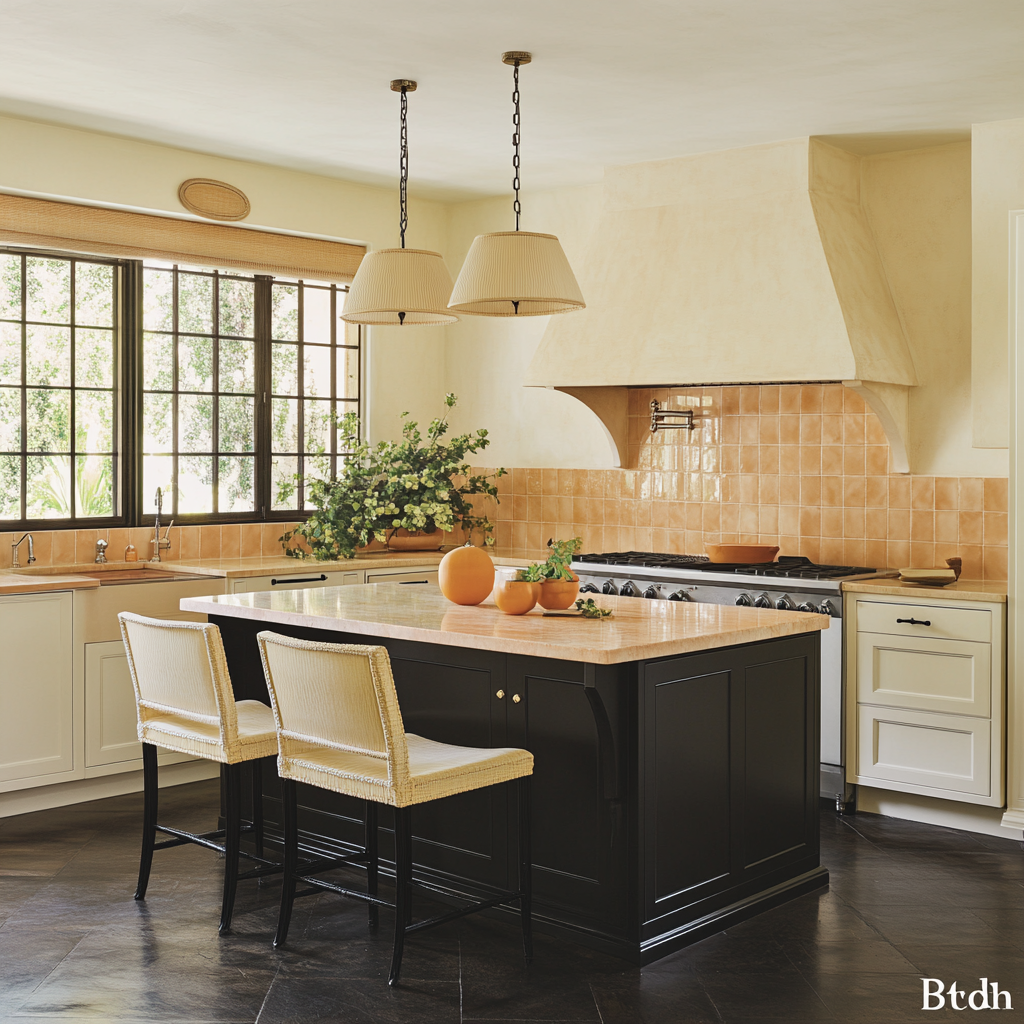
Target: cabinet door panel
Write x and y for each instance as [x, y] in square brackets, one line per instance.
[947, 754]
[36, 695]
[111, 721]
[924, 673]
[465, 835]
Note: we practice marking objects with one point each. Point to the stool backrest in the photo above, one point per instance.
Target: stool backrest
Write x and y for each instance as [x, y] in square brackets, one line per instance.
[340, 696]
[179, 667]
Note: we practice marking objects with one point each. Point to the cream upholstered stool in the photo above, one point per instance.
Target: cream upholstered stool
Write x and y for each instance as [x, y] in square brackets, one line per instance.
[185, 703]
[340, 728]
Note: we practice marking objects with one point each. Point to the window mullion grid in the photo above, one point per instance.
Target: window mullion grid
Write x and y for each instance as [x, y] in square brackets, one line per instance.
[174, 392]
[24, 388]
[72, 440]
[300, 404]
[262, 367]
[333, 407]
[215, 402]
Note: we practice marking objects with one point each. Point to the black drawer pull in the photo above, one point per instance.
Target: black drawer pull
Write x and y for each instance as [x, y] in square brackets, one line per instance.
[303, 579]
[916, 622]
[406, 583]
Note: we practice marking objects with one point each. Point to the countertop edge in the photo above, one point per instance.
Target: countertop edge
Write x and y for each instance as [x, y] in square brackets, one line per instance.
[512, 645]
[991, 591]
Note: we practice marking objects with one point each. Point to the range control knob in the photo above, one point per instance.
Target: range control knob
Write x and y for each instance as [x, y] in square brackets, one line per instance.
[629, 589]
[680, 595]
[763, 601]
[588, 588]
[652, 593]
[806, 607]
[828, 608]
[785, 604]
[609, 588]
[745, 601]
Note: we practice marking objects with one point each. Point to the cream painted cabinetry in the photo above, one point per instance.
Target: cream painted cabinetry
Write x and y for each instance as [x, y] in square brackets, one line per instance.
[331, 578]
[926, 693]
[37, 694]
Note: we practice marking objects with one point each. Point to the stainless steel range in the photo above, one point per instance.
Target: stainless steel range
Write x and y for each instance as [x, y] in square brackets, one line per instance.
[791, 583]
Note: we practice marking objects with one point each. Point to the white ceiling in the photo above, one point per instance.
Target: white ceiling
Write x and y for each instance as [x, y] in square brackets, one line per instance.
[304, 83]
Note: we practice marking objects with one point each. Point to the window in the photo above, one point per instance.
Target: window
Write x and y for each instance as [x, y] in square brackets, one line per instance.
[198, 390]
[314, 382]
[58, 399]
[227, 397]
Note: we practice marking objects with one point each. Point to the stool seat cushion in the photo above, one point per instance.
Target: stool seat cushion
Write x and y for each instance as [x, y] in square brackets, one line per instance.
[436, 770]
[257, 734]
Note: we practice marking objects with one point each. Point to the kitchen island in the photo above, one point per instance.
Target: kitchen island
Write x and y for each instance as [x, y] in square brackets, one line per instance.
[675, 744]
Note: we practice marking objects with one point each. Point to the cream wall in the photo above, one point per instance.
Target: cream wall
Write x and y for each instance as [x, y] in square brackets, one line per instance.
[487, 357]
[405, 371]
[997, 188]
[919, 206]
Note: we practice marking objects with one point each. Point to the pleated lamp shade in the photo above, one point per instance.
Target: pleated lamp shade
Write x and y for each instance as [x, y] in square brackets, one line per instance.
[522, 267]
[392, 281]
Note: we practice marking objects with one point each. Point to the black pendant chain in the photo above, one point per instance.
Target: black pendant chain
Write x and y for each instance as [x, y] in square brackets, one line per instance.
[403, 167]
[517, 206]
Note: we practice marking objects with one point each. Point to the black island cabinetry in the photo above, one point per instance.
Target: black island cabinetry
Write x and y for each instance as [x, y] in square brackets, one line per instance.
[672, 797]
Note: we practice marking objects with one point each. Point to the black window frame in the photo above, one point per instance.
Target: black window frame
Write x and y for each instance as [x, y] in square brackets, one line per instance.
[137, 508]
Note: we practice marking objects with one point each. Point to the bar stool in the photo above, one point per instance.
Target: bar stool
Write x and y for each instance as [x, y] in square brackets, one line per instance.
[340, 728]
[185, 703]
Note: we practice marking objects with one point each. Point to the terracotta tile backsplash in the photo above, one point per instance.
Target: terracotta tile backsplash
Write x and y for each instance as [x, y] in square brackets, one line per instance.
[804, 466]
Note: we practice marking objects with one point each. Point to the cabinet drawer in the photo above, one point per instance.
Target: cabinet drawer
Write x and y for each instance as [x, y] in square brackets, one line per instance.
[919, 749]
[925, 674]
[295, 581]
[948, 623]
[408, 576]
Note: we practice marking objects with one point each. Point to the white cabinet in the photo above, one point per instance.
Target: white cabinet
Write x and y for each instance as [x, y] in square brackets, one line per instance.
[111, 720]
[330, 578]
[36, 689]
[294, 581]
[926, 693]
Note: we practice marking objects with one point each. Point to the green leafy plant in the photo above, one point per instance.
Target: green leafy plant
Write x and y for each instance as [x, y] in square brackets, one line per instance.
[408, 484]
[556, 566]
[589, 610]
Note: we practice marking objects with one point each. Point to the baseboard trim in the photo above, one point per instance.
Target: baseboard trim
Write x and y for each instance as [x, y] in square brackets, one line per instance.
[62, 794]
[987, 821]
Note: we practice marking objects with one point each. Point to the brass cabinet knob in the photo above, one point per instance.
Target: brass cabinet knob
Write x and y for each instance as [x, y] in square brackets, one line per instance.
[500, 694]
[516, 698]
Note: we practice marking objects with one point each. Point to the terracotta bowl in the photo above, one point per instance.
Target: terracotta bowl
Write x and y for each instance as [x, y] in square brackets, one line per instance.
[556, 595]
[742, 552]
[515, 597]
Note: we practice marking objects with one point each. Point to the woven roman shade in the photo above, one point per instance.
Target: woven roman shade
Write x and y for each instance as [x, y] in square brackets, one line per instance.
[47, 224]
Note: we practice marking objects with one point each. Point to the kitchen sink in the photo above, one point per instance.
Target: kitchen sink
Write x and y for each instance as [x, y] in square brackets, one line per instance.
[118, 577]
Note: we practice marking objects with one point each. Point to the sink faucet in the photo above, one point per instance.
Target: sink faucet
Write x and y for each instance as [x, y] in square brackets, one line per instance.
[15, 564]
[158, 543]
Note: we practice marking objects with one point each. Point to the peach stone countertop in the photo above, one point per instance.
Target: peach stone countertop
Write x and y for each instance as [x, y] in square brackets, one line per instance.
[637, 629]
[962, 590]
[12, 582]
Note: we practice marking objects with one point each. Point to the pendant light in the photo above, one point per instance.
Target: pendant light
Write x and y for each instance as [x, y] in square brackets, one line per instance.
[400, 286]
[516, 273]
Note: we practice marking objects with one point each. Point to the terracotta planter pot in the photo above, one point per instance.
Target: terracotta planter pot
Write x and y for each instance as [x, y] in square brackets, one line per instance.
[403, 540]
[515, 597]
[557, 595]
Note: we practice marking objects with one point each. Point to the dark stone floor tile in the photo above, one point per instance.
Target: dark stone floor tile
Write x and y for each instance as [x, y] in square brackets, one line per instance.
[966, 963]
[750, 951]
[873, 998]
[929, 924]
[294, 1000]
[875, 956]
[743, 998]
[653, 997]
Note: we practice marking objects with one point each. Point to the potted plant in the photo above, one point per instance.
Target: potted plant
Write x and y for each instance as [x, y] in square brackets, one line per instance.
[559, 585]
[416, 486]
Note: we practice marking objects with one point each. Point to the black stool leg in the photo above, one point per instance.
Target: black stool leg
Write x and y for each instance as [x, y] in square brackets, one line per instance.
[408, 867]
[370, 845]
[257, 805]
[151, 791]
[233, 827]
[291, 859]
[525, 867]
[402, 872]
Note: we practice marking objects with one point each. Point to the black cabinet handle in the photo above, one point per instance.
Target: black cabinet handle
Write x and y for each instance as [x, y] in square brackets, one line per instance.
[916, 622]
[304, 579]
[406, 583]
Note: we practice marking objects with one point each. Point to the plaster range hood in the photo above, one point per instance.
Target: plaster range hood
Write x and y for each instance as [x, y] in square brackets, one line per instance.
[748, 266]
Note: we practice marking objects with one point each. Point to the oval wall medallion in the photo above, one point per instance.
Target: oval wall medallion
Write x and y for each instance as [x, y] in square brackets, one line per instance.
[216, 200]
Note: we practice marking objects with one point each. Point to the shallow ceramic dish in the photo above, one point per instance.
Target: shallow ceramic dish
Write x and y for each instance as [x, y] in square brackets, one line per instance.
[742, 552]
